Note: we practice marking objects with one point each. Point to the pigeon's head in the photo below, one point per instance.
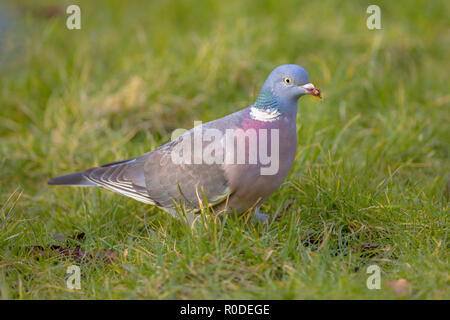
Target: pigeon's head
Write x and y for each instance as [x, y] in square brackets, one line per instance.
[289, 82]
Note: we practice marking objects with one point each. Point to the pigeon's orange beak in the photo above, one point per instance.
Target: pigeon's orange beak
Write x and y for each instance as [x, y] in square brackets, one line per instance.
[310, 89]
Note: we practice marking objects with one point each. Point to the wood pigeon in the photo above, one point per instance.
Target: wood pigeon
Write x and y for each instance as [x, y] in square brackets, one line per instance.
[234, 163]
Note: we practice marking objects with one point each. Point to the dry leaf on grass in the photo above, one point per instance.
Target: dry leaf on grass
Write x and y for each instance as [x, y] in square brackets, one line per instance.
[400, 287]
[105, 255]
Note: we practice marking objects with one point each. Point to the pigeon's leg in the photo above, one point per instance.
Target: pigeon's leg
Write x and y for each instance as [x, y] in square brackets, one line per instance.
[260, 217]
[266, 218]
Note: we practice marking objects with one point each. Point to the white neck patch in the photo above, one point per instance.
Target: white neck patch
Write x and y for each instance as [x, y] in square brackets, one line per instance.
[268, 115]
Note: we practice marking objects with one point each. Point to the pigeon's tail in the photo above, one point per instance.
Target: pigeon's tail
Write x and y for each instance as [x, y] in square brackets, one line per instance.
[73, 179]
[124, 177]
[90, 177]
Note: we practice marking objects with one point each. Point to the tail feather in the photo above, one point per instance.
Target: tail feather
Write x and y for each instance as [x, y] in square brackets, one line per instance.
[124, 177]
[73, 179]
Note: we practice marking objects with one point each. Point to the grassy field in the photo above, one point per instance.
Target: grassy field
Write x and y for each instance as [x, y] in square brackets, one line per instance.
[370, 184]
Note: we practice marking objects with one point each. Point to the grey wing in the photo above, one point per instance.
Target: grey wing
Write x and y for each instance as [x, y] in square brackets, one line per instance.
[155, 179]
[168, 181]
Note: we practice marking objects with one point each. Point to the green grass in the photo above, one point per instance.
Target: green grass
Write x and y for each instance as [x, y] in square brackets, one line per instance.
[371, 169]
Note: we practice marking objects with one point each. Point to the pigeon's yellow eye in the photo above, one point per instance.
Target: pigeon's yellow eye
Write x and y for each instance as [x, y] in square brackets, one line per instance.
[287, 80]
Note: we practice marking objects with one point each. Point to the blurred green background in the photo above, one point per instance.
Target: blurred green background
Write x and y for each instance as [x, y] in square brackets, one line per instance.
[370, 184]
